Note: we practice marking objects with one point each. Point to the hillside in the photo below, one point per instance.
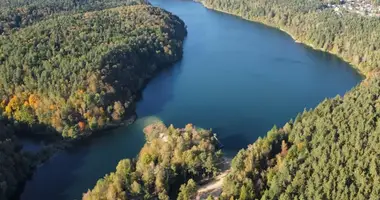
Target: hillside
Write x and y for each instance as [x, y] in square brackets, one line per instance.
[15, 165]
[332, 151]
[79, 73]
[15, 14]
[69, 68]
[352, 37]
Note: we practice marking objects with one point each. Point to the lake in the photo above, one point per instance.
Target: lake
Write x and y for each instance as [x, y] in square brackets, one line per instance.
[237, 77]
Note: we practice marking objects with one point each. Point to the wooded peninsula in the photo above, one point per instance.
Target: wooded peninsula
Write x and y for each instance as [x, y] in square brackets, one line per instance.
[72, 67]
[69, 68]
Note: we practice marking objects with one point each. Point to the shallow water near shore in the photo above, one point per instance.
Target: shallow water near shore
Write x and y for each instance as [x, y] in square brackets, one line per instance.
[237, 77]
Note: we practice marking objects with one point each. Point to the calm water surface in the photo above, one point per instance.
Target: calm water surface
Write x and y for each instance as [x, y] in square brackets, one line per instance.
[237, 77]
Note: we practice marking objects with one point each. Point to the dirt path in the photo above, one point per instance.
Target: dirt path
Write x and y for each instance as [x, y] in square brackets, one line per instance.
[214, 186]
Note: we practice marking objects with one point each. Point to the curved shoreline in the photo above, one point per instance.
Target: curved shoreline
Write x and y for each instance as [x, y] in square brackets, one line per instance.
[288, 40]
[365, 75]
[214, 186]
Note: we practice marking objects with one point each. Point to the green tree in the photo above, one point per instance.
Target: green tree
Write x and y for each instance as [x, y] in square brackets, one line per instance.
[187, 191]
[156, 168]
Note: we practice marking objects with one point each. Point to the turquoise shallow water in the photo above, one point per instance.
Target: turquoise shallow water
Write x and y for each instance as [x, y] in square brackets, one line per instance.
[237, 77]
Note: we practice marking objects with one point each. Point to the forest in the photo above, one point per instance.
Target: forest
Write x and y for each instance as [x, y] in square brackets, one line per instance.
[79, 73]
[332, 151]
[350, 36]
[170, 157]
[68, 68]
[18, 14]
[15, 165]
[72, 67]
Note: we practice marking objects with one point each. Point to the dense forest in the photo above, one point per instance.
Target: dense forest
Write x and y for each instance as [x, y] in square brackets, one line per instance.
[169, 157]
[331, 152]
[18, 14]
[353, 37]
[81, 72]
[69, 67]
[15, 165]
[72, 67]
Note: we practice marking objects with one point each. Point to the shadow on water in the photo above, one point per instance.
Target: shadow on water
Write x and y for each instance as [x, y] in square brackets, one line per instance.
[71, 173]
[238, 78]
[54, 176]
[235, 142]
[315, 55]
[159, 92]
[52, 179]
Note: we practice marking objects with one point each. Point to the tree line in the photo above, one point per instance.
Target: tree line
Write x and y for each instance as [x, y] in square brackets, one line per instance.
[18, 14]
[353, 37]
[15, 165]
[170, 157]
[69, 67]
[330, 152]
[81, 72]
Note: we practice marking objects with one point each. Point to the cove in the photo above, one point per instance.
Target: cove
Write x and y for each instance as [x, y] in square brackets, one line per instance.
[237, 77]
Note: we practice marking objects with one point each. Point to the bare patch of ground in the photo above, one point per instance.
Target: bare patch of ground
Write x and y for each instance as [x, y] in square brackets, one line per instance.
[214, 186]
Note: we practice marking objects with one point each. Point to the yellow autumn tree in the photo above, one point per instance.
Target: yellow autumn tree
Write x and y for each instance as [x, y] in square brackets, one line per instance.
[33, 101]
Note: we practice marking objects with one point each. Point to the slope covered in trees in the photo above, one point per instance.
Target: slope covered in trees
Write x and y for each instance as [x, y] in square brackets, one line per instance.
[331, 152]
[350, 36]
[15, 166]
[169, 157]
[21, 13]
[72, 67]
[81, 72]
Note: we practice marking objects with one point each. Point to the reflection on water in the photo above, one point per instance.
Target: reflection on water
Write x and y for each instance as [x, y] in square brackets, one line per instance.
[30, 145]
[84, 165]
[236, 77]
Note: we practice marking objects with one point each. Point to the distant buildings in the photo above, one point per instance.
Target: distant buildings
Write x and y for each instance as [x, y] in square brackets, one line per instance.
[362, 7]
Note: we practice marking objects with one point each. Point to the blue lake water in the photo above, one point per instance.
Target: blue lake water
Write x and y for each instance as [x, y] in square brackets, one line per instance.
[237, 77]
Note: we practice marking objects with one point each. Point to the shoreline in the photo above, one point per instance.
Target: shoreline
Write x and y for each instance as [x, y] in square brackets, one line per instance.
[50, 151]
[47, 152]
[363, 74]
